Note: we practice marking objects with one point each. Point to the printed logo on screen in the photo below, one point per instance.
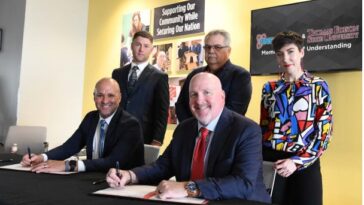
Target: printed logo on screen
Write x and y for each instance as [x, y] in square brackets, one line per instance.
[262, 40]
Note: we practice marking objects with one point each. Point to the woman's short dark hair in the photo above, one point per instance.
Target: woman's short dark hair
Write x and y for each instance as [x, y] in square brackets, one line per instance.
[287, 37]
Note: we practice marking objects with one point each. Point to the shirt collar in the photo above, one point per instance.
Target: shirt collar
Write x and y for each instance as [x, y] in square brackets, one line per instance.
[305, 77]
[212, 125]
[108, 119]
[141, 66]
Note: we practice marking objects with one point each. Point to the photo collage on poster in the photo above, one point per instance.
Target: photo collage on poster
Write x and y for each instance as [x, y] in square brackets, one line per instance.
[177, 58]
[132, 23]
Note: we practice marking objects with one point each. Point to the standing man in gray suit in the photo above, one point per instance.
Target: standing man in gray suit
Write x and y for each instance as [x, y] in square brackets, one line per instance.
[145, 90]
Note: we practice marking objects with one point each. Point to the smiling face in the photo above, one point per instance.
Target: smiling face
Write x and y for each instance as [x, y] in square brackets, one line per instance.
[107, 97]
[142, 48]
[289, 58]
[207, 99]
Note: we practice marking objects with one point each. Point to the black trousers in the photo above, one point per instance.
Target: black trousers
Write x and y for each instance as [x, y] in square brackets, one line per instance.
[303, 187]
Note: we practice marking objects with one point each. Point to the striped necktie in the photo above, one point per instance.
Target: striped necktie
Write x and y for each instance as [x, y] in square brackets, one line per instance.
[132, 79]
[103, 127]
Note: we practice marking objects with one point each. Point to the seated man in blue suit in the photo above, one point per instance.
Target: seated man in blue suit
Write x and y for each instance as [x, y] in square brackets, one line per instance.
[222, 161]
[110, 135]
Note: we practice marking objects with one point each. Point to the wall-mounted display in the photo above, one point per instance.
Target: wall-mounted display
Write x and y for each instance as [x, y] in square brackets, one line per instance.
[161, 57]
[331, 30]
[189, 55]
[132, 23]
[177, 19]
[175, 85]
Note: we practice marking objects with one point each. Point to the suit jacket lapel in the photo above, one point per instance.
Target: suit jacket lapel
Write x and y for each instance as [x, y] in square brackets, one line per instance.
[124, 78]
[111, 127]
[91, 133]
[188, 151]
[221, 134]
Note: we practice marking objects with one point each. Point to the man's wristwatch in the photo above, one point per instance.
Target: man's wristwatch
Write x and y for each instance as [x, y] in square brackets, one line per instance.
[70, 165]
[192, 189]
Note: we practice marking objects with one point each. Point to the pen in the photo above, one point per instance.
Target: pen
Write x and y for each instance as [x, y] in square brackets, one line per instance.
[118, 169]
[30, 156]
[98, 181]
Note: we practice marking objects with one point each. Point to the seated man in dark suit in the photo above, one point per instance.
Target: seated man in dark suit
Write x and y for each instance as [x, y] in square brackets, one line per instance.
[235, 80]
[110, 135]
[221, 161]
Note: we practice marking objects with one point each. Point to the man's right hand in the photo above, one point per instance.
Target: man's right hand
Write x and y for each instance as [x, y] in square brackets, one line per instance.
[34, 160]
[117, 180]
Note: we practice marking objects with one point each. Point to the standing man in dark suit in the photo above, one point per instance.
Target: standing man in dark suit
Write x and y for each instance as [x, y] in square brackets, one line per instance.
[216, 155]
[145, 91]
[235, 80]
[110, 135]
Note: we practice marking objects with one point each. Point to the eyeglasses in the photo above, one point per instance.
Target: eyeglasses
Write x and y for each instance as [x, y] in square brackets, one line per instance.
[215, 47]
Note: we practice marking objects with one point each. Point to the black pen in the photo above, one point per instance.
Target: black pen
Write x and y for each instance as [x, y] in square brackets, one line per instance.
[6, 160]
[98, 181]
[30, 156]
[118, 169]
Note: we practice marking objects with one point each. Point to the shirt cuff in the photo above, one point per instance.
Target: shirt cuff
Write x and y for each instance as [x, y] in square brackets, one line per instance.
[81, 166]
[45, 157]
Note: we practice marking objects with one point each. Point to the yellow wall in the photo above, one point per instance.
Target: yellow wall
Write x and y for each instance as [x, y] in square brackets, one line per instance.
[341, 164]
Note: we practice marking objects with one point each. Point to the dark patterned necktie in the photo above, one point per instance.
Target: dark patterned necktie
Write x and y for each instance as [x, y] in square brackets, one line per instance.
[132, 79]
[197, 171]
[103, 126]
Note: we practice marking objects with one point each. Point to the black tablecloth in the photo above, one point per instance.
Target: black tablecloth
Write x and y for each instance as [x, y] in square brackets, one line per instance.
[18, 187]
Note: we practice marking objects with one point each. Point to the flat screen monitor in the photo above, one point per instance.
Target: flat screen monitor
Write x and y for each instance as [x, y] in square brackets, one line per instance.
[331, 31]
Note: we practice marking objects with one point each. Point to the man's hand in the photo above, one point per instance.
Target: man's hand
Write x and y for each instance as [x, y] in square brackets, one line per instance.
[285, 167]
[34, 160]
[171, 189]
[156, 143]
[118, 180]
[49, 166]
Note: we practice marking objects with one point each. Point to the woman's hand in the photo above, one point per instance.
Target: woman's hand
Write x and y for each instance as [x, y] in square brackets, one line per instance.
[285, 167]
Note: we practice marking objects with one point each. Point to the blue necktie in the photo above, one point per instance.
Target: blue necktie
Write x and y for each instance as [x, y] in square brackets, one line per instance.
[103, 126]
[132, 79]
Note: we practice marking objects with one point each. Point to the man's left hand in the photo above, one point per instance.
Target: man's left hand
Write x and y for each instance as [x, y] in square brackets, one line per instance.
[49, 166]
[171, 189]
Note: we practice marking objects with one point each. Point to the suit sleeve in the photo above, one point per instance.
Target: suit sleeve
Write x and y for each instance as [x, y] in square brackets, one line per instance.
[128, 140]
[115, 75]
[161, 106]
[240, 92]
[241, 182]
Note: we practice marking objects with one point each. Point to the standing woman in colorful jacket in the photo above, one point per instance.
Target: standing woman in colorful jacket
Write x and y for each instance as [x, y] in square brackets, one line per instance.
[296, 122]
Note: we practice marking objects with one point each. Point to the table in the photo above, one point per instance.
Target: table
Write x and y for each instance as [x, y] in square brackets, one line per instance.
[18, 187]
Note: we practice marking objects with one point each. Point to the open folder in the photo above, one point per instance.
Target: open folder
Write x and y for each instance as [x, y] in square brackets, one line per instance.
[19, 167]
[145, 192]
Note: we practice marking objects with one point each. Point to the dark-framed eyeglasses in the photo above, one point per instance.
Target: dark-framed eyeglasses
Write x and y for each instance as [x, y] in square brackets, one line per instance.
[215, 47]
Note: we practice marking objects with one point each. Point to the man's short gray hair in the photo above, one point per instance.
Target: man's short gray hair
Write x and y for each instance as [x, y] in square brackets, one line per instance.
[222, 32]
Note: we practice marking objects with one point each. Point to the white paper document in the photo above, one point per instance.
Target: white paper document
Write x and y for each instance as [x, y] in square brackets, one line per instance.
[145, 192]
[19, 167]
